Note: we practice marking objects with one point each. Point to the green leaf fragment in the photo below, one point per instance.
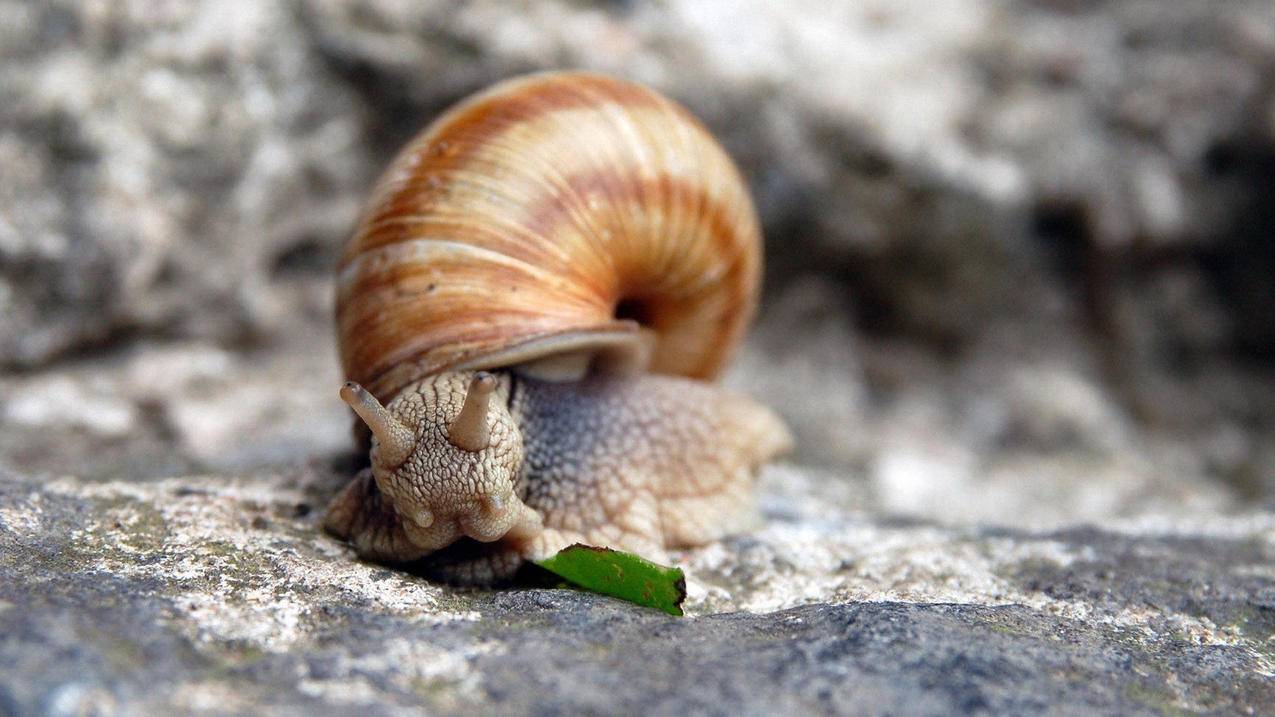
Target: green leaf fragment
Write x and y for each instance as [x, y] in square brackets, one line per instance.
[621, 575]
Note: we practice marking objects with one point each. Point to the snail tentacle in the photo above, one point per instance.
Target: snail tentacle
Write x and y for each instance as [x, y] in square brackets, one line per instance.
[469, 431]
[396, 440]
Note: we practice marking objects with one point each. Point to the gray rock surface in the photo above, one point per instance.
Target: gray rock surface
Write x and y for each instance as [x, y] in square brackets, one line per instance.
[1069, 191]
[211, 594]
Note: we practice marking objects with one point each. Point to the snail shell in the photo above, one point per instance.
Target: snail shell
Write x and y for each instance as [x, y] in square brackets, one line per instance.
[550, 216]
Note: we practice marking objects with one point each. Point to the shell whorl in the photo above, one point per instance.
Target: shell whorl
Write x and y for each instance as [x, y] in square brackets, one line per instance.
[553, 205]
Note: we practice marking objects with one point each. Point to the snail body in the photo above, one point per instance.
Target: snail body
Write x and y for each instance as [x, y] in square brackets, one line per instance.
[537, 294]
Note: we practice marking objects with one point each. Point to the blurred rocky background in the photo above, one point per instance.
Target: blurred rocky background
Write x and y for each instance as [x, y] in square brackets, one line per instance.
[1020, 268]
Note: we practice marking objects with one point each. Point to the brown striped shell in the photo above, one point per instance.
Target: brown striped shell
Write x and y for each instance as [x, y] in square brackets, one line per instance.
[550, 215]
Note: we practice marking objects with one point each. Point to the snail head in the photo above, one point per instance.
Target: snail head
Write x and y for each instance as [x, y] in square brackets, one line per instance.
[446, 454]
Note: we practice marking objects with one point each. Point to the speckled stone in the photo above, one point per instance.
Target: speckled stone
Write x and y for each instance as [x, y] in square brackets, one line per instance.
[219, 594]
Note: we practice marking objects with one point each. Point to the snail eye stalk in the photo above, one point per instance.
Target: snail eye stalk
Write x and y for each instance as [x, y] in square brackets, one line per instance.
[396, 440]
[469, 431]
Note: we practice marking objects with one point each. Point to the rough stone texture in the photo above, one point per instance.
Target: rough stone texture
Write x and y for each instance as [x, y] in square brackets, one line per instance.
[165, 165]
[1068, 191]
[1019, 315]
[218, 594]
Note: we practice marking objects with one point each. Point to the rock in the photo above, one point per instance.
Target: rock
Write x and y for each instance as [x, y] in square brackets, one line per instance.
[179, 171]
[214, 593]
[1082, 184]
[1073, 189]
[816, 381]
[165, 169]
[157, 408]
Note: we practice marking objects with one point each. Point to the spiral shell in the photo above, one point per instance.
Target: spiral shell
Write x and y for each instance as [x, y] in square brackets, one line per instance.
[550, 213]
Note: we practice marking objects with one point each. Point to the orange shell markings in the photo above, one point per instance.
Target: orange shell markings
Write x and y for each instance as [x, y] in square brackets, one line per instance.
[538, 208]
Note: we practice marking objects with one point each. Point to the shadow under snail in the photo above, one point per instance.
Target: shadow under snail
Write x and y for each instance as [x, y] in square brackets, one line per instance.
[539, 290]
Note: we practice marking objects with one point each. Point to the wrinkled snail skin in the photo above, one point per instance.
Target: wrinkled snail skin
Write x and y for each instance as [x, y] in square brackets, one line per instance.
[638, 463]
[529, 311]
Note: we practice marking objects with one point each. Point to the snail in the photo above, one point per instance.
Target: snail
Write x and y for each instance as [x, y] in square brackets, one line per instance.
[535, 298]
